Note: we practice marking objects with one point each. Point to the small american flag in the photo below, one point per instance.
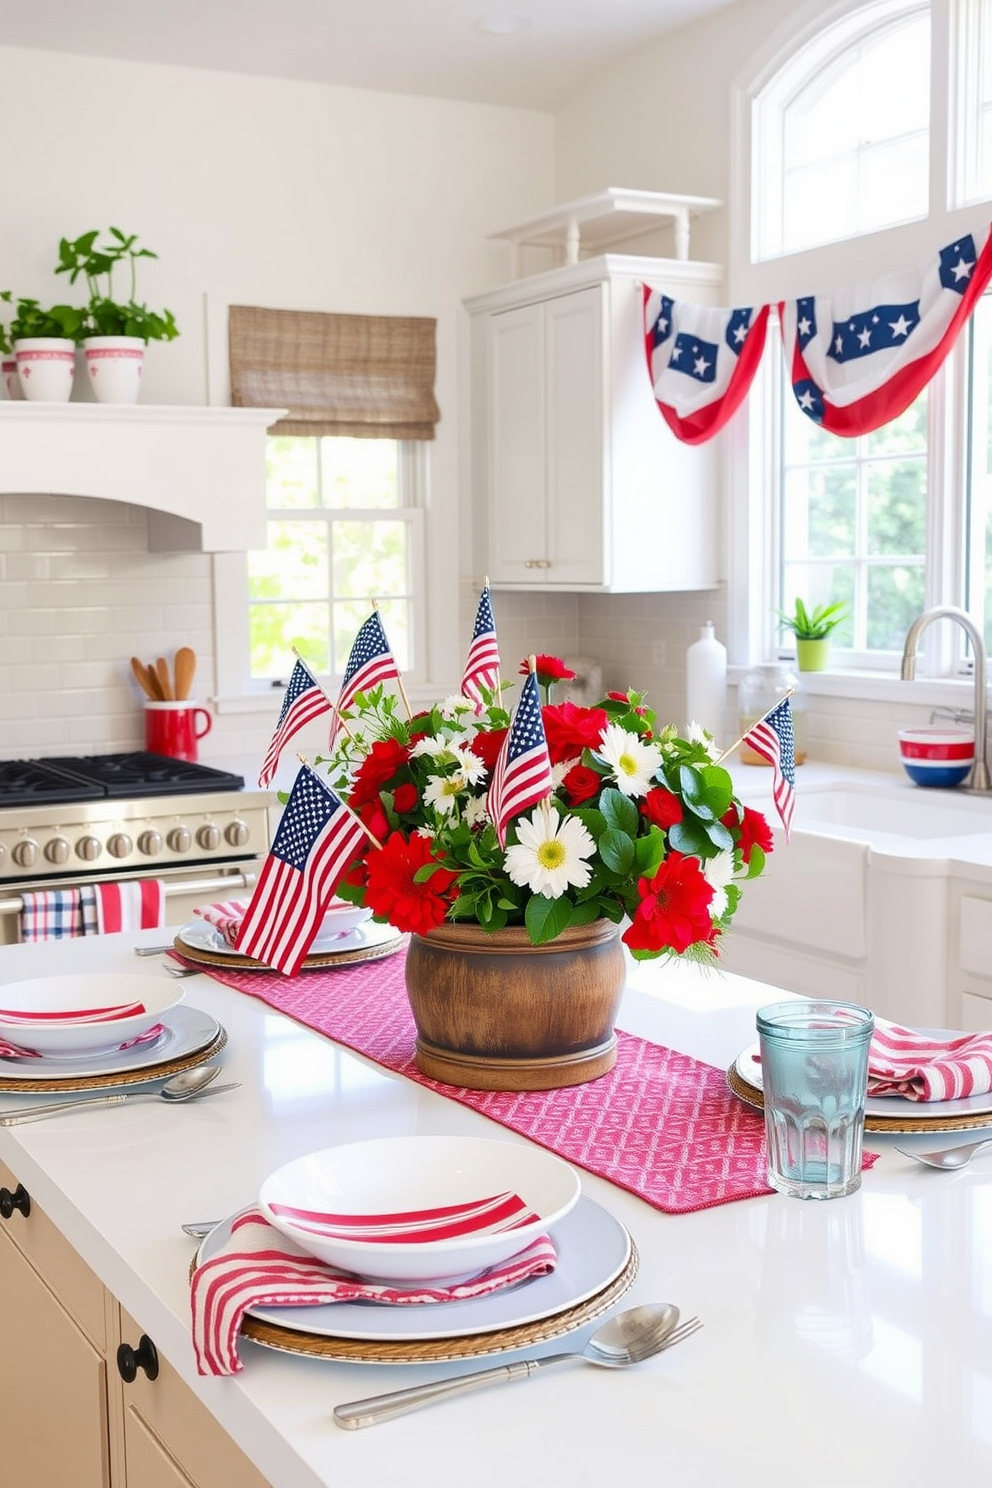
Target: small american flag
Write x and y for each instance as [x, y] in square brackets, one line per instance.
[522, 772]
[369, 663]
[772, 737]
[315, 841]
[303, 702]
[482, 665]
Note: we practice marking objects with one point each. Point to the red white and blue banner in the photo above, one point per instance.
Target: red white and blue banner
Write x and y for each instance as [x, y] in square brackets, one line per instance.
[858, 357]
[702, 361]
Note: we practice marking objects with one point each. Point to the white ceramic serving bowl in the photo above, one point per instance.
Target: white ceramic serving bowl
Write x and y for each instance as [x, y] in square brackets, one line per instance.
[401, 1175]
[339, 918]
[71, 1006]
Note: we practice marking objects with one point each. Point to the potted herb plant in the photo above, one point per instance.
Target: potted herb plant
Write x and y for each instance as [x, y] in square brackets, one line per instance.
[813, 629]
[116, 331]
[44, 347]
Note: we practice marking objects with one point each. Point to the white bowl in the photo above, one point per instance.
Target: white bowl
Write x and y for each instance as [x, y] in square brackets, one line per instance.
[82, 1014]
[318, 1201]
[339, 918]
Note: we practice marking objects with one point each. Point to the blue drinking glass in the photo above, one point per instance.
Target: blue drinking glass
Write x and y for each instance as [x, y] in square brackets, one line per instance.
[814, 1075]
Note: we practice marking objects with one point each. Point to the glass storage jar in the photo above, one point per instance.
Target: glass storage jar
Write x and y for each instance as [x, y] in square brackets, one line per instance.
[758, 692]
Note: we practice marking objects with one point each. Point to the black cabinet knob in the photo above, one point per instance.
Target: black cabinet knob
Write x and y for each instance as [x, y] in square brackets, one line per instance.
[130, 1360]
[19, 1199]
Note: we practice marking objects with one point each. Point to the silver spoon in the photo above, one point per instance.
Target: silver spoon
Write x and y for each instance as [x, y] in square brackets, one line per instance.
[949, 1158]
[183, 1087]
[628, 1338]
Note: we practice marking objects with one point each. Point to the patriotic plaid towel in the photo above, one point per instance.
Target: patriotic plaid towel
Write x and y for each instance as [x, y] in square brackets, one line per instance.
[225, 917]
[903, 1061]
[258, 1266]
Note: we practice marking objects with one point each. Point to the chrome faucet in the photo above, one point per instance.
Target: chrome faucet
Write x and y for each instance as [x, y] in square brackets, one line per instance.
[978, 780]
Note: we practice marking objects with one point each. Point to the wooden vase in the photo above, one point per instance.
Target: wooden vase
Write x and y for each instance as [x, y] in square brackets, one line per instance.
[494, 1012]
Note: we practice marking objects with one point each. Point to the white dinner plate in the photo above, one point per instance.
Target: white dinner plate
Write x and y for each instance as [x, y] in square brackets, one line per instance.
[200, 936]
[593, 1248]
[185, 1030]
[894, 1106]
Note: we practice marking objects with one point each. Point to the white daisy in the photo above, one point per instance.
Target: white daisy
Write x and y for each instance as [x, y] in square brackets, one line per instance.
[548, 857]
[718, 872]
[442, 792]
[634, 761]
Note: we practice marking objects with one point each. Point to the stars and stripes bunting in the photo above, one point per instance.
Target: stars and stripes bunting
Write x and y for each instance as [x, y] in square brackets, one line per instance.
[304, 701]
[316, 840]
[522, 772]
[482, 664]
[773, 738]
[369, 663]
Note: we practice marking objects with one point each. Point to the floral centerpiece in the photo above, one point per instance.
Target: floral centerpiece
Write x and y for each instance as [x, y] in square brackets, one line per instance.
[640, 824]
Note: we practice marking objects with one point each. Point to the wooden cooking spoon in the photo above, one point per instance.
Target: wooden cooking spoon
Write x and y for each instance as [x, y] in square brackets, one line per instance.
[146, 680]
[185, 669]
[164, 680]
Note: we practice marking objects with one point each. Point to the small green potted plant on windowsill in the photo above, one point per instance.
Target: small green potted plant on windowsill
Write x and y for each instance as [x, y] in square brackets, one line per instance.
[44, 346]
[116, 331]
[813, 630]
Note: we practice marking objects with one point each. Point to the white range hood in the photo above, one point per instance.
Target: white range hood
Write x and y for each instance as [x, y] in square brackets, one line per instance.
[199, 471]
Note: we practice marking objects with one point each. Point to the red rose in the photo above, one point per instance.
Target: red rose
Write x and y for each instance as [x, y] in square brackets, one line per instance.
[570, 729]
[581, 784]
[487, 745]
[384, 760]
[662, 807]
[549, 669]
[405, 798]
[674, 910]
[393, 893]
[754, 830]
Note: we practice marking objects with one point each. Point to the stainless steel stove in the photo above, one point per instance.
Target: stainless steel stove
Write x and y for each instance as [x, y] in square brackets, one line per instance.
[68, 821]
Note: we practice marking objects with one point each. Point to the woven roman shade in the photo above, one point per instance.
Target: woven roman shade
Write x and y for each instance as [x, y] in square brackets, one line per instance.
[368, 376]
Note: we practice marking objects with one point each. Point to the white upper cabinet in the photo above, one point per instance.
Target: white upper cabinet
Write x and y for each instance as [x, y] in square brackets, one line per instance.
[578, 482]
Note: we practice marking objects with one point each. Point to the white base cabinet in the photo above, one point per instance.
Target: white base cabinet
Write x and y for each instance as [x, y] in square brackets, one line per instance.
[579, 483]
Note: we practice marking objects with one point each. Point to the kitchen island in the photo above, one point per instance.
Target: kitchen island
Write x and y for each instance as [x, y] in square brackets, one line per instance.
[848, 1341]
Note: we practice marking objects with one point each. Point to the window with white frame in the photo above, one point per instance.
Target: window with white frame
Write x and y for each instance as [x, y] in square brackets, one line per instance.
[901, 519]
[344, 527]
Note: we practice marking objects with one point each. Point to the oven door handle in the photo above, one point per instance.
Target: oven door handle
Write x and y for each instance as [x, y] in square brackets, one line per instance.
[195, 886]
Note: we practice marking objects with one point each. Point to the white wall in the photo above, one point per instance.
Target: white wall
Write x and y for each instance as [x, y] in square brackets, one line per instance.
[251, 191]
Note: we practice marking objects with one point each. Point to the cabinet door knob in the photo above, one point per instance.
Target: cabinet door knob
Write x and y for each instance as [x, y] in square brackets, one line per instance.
[130, 1360]
[19, 1199]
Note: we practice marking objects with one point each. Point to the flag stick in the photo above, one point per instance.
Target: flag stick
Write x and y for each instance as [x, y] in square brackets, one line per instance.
[370, 835]
[334, 706]
[399, 679]
[738, 742]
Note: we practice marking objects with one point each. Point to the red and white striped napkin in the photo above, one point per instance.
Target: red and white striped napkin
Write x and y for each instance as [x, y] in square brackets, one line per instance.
[258, 1266]
[225, 917]
[491, 1216]
[17, 1051]
[919, 1067]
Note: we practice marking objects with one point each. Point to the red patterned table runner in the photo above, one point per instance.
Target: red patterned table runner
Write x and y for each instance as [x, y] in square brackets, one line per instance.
[660, 1124]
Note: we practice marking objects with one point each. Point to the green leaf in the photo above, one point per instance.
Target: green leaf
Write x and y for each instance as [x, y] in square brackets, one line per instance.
[619, 811]
[546, 918]
[616, 850]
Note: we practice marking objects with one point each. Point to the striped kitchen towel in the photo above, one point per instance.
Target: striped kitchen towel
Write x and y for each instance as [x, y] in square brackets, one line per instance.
[257, 1266]
[925, 1067]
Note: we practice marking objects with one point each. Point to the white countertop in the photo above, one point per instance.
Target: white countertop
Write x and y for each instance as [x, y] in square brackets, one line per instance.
[844, 1342]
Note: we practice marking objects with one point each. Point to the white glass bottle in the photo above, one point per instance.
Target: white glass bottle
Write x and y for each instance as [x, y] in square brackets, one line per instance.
[759, 691]
[706, 682]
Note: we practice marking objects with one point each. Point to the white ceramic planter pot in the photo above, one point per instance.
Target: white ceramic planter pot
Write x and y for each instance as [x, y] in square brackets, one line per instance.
[11, 381]
[113, 367]
[46, 366]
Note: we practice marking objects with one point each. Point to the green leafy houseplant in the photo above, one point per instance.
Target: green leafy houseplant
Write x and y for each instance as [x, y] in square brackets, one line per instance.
[816, 624]
[96, 262]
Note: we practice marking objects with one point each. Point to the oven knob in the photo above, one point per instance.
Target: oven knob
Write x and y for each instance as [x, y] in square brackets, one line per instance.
[208, 836]
[57, 851]
[119, 845]
[88, 848]
[150, 843]
[26, 853]
[237, 833]
[180, 839]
